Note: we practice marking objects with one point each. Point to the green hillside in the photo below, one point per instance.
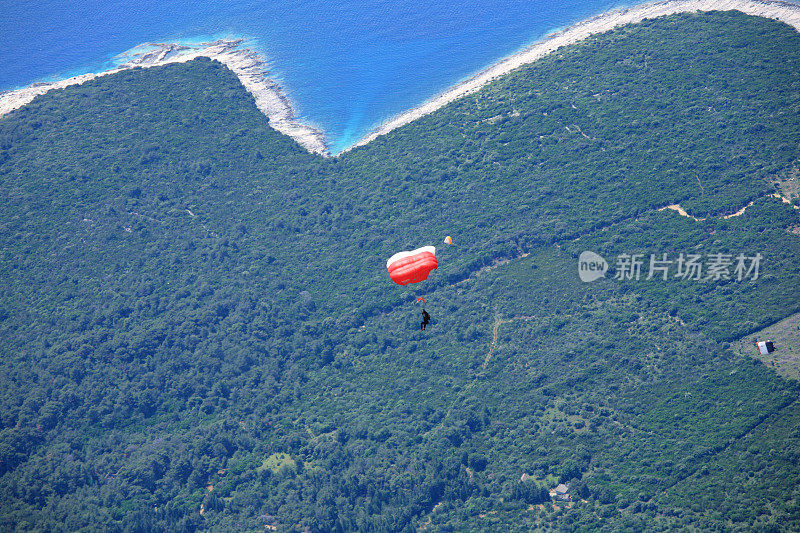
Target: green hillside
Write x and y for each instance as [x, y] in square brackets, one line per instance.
[197, 331]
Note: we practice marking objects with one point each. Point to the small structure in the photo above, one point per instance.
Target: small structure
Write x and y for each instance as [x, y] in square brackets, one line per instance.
[765, 348]
[561, 492]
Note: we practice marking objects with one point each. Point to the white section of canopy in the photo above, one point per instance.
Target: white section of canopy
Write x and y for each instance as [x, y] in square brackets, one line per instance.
[401, 255]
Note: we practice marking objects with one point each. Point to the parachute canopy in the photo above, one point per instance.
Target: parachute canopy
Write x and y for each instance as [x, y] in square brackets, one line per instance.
[421, 299]
[448, 240]
[413, 266]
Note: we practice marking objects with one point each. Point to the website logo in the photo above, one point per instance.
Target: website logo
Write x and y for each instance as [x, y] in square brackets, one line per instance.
[591, 267]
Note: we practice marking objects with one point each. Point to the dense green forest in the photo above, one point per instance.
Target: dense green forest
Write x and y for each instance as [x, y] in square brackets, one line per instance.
[197, 330]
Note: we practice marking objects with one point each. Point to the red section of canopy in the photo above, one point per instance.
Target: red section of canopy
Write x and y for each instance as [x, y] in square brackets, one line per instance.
[413, 268]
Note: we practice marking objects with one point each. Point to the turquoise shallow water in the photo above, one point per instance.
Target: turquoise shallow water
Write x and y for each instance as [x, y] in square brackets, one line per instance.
[347, 65]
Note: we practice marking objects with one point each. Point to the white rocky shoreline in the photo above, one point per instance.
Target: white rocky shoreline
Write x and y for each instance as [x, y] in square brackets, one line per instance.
[251, 69]
[272, 100]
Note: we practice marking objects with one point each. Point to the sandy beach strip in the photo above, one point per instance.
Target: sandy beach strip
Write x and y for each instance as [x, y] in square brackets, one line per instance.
[788, 13]
[248, 65]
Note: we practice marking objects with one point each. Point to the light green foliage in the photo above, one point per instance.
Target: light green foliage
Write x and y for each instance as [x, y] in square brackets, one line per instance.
[277, 462]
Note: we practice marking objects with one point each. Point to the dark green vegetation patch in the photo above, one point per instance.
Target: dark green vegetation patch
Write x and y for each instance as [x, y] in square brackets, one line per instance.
[197, 330]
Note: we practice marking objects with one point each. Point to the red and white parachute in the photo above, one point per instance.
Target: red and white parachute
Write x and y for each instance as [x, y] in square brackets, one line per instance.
[412, 267]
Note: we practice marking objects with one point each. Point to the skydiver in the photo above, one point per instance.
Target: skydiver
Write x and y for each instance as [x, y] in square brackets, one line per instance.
[426, 318]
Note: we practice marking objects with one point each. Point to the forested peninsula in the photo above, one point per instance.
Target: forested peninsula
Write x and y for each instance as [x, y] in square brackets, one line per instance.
[197, 330]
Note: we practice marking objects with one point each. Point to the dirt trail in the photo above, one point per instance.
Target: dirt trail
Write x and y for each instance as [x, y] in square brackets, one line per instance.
[681, 211]
[495, 330]
[427, 523]
[497, 323]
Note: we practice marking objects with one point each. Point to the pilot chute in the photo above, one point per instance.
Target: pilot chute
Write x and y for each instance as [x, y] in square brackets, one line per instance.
[448, 240]
[413, 266]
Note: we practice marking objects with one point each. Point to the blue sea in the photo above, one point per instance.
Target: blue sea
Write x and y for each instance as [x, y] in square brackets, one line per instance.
[346, 65]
